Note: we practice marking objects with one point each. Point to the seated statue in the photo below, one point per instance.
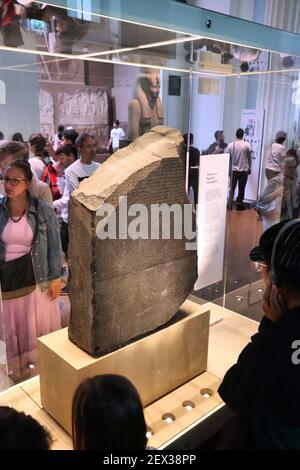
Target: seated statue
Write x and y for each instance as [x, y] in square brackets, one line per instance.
[145, 110]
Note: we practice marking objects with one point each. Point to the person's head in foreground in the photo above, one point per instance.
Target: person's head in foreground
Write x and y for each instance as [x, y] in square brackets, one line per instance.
[19, 431]
[278, 259]
[107, 413]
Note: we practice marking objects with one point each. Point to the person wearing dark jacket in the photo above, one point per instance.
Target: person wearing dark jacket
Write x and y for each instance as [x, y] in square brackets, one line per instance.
[194, 156]
[218, 146]
[263, 387]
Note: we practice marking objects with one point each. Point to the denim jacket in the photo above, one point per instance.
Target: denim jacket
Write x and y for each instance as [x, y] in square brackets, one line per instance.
[46, 252]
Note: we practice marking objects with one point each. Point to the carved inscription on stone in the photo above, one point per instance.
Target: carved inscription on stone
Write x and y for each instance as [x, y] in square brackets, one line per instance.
[123, 287]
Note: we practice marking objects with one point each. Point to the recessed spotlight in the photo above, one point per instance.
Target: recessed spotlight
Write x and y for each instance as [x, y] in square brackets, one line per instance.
[239, 298]
[31, 366]
[260, 290]
[206, 392]
[188, 405]
[168, 418]
[149, 432]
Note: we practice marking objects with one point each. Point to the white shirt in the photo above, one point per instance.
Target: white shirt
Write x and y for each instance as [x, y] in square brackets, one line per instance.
[78, 171]
[276, 154]
[116, 134]
[56, 142]
[240, 152]
[62, 205]
[37, 166]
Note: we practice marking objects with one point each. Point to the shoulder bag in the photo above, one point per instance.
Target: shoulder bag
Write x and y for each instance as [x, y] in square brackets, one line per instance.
[17, 276]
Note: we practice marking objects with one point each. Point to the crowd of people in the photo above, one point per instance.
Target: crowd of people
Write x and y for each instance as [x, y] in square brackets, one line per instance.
[280, 198]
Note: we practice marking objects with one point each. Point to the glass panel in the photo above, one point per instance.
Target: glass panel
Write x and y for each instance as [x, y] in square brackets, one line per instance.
[49, 55]
[282, 15]
[262, 104]
[71, 33]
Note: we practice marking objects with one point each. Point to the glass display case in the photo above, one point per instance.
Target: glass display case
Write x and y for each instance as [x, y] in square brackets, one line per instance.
[78, 63]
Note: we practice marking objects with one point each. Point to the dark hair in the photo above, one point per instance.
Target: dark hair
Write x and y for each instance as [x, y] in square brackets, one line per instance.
[107, 413]
[280, 140]
[293, 153]
[23, 166]
[39, 141]
[1, 135]
[116, 121]
[68, 150]
[82, 138]
[71, 135]
[287, 259]
[185, 138]
[19, 431]
[17, 150]
[239, 133]
[60, 131]
[17, 136]
[218, 135]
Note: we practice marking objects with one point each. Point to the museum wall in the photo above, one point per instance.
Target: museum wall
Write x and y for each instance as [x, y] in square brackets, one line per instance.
[124, 78]
[20, 112]
[207, 109]
[176, 107]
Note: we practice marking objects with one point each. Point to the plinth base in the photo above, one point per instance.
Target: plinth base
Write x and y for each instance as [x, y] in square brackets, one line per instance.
[156, 364]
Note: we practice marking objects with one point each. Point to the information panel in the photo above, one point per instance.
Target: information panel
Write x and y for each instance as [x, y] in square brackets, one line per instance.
[211, 218]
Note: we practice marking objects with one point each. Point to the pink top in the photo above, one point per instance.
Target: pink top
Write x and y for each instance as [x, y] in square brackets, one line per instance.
[17, 238]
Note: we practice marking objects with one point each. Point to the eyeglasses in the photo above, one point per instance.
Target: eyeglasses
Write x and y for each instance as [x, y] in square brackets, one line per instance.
[258, 266]
[12, 181]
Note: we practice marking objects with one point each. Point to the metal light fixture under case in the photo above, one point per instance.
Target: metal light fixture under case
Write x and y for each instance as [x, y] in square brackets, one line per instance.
[168, 418]
[206, 392]
[188, 405]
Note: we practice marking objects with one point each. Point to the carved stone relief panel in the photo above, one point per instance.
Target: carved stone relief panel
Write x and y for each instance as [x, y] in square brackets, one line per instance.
[84, 107]
[46, 105]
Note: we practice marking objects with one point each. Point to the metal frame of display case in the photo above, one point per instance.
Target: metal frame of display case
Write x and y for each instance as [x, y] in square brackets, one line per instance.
[184, 18]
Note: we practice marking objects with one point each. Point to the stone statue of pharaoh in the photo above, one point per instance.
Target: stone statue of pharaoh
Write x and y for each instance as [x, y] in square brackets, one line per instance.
[145, 110]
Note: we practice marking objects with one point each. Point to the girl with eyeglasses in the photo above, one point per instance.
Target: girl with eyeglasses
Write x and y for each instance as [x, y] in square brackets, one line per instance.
[28, 226]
